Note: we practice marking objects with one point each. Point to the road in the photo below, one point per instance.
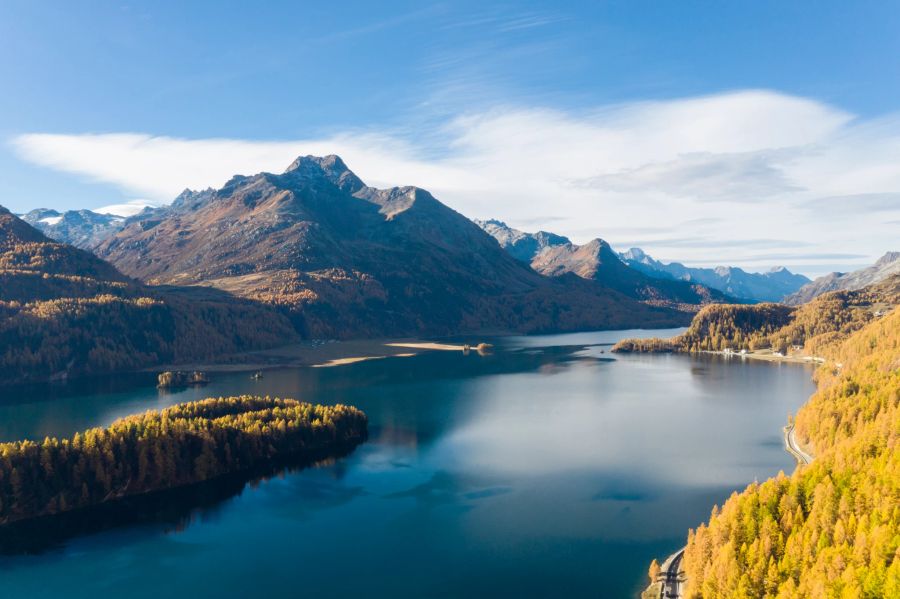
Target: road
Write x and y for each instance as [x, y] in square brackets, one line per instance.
[790, 444]
[670, 577]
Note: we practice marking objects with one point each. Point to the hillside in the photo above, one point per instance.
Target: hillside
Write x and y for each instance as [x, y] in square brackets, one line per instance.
[771, 286]
[65, 313]
[832, 528]
[554, 255]
[887, 265]
[814, 327]
[348, 260]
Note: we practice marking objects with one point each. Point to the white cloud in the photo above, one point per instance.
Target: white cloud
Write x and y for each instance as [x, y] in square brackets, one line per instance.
[753, 162]
[129, 208]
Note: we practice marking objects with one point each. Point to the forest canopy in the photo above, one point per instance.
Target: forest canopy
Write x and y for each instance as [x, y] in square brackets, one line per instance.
[823, 322]
[184, 444]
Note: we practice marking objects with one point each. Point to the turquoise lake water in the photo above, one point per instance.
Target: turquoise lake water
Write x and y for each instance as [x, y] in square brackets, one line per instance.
[550, 468]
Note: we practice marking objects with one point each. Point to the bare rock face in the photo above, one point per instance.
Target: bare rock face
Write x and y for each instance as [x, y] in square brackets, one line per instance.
[348, 260]
[886, 266]
[554, 255]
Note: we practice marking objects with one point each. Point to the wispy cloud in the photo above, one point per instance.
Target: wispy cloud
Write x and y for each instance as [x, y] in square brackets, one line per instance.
[748, 175]
[851, 203]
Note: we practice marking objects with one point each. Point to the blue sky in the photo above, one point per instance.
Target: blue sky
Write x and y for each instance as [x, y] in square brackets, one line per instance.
[439, 95]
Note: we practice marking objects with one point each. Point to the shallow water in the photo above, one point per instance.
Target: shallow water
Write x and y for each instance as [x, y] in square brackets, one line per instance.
[550, 468]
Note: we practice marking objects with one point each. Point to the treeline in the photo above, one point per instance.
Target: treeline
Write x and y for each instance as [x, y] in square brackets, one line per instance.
[822, 322]
[70, 337]
[66, 313]
[183, 444]
[832, 529]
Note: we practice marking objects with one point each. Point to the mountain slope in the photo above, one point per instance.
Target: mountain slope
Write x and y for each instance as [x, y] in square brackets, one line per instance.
[770, 286]
[554, 255]
[887, 265]
[350, 260]
[64, 312]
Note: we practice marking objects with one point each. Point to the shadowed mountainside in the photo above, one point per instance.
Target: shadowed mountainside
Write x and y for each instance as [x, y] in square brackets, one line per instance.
[64, 312]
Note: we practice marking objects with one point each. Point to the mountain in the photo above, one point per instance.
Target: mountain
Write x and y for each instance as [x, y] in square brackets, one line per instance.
[349, 260]
[64, 312]
[887, 265]
[771, 286]
[554, 255]
[520, 245]
[82, 228]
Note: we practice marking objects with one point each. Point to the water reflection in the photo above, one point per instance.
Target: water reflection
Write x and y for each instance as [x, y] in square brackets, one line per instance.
[549, 468]
[167, 511]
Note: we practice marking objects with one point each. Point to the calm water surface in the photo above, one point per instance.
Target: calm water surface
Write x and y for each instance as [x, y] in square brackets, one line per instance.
[550, 468]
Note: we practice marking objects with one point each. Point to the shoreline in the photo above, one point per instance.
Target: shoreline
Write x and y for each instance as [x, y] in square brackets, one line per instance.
[316, 354]
[767, 356]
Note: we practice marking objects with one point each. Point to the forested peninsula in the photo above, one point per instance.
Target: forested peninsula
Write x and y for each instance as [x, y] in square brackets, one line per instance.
[815, 326]
[158, 450]
[832, 528]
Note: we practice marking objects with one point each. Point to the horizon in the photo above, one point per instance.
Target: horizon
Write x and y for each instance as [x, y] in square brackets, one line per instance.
[589, 122]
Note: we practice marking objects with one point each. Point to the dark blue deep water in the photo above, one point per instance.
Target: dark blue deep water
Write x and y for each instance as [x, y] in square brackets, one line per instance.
[548, 469]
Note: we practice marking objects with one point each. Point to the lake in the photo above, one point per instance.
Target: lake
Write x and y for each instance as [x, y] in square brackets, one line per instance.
[550, 468]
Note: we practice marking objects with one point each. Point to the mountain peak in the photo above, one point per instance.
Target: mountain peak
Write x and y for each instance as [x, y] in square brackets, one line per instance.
[329, 163]
[330, 167]
[888, 258]
[634, 254]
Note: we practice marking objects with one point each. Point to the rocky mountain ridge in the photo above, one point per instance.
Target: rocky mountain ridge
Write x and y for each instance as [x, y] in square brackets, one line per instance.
[886, 266]
[554, 255]
[771, 286]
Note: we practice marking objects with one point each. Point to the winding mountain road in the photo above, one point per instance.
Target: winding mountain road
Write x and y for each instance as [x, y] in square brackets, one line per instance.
[793, 448]
[670, 578]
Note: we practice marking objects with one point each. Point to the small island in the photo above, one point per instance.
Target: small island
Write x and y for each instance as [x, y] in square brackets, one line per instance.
[182, 445]
[180, 378]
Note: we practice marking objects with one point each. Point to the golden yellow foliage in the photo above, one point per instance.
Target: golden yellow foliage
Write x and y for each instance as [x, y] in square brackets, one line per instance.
[832, 529]
[183, 444]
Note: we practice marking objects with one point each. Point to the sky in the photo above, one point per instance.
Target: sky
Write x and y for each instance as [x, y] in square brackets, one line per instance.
[751, 134]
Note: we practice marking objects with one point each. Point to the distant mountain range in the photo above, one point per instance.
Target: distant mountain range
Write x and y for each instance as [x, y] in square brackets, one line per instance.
[348, 260]
[82, 228]
[771, 286]
[554, 255]
[887, 265]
